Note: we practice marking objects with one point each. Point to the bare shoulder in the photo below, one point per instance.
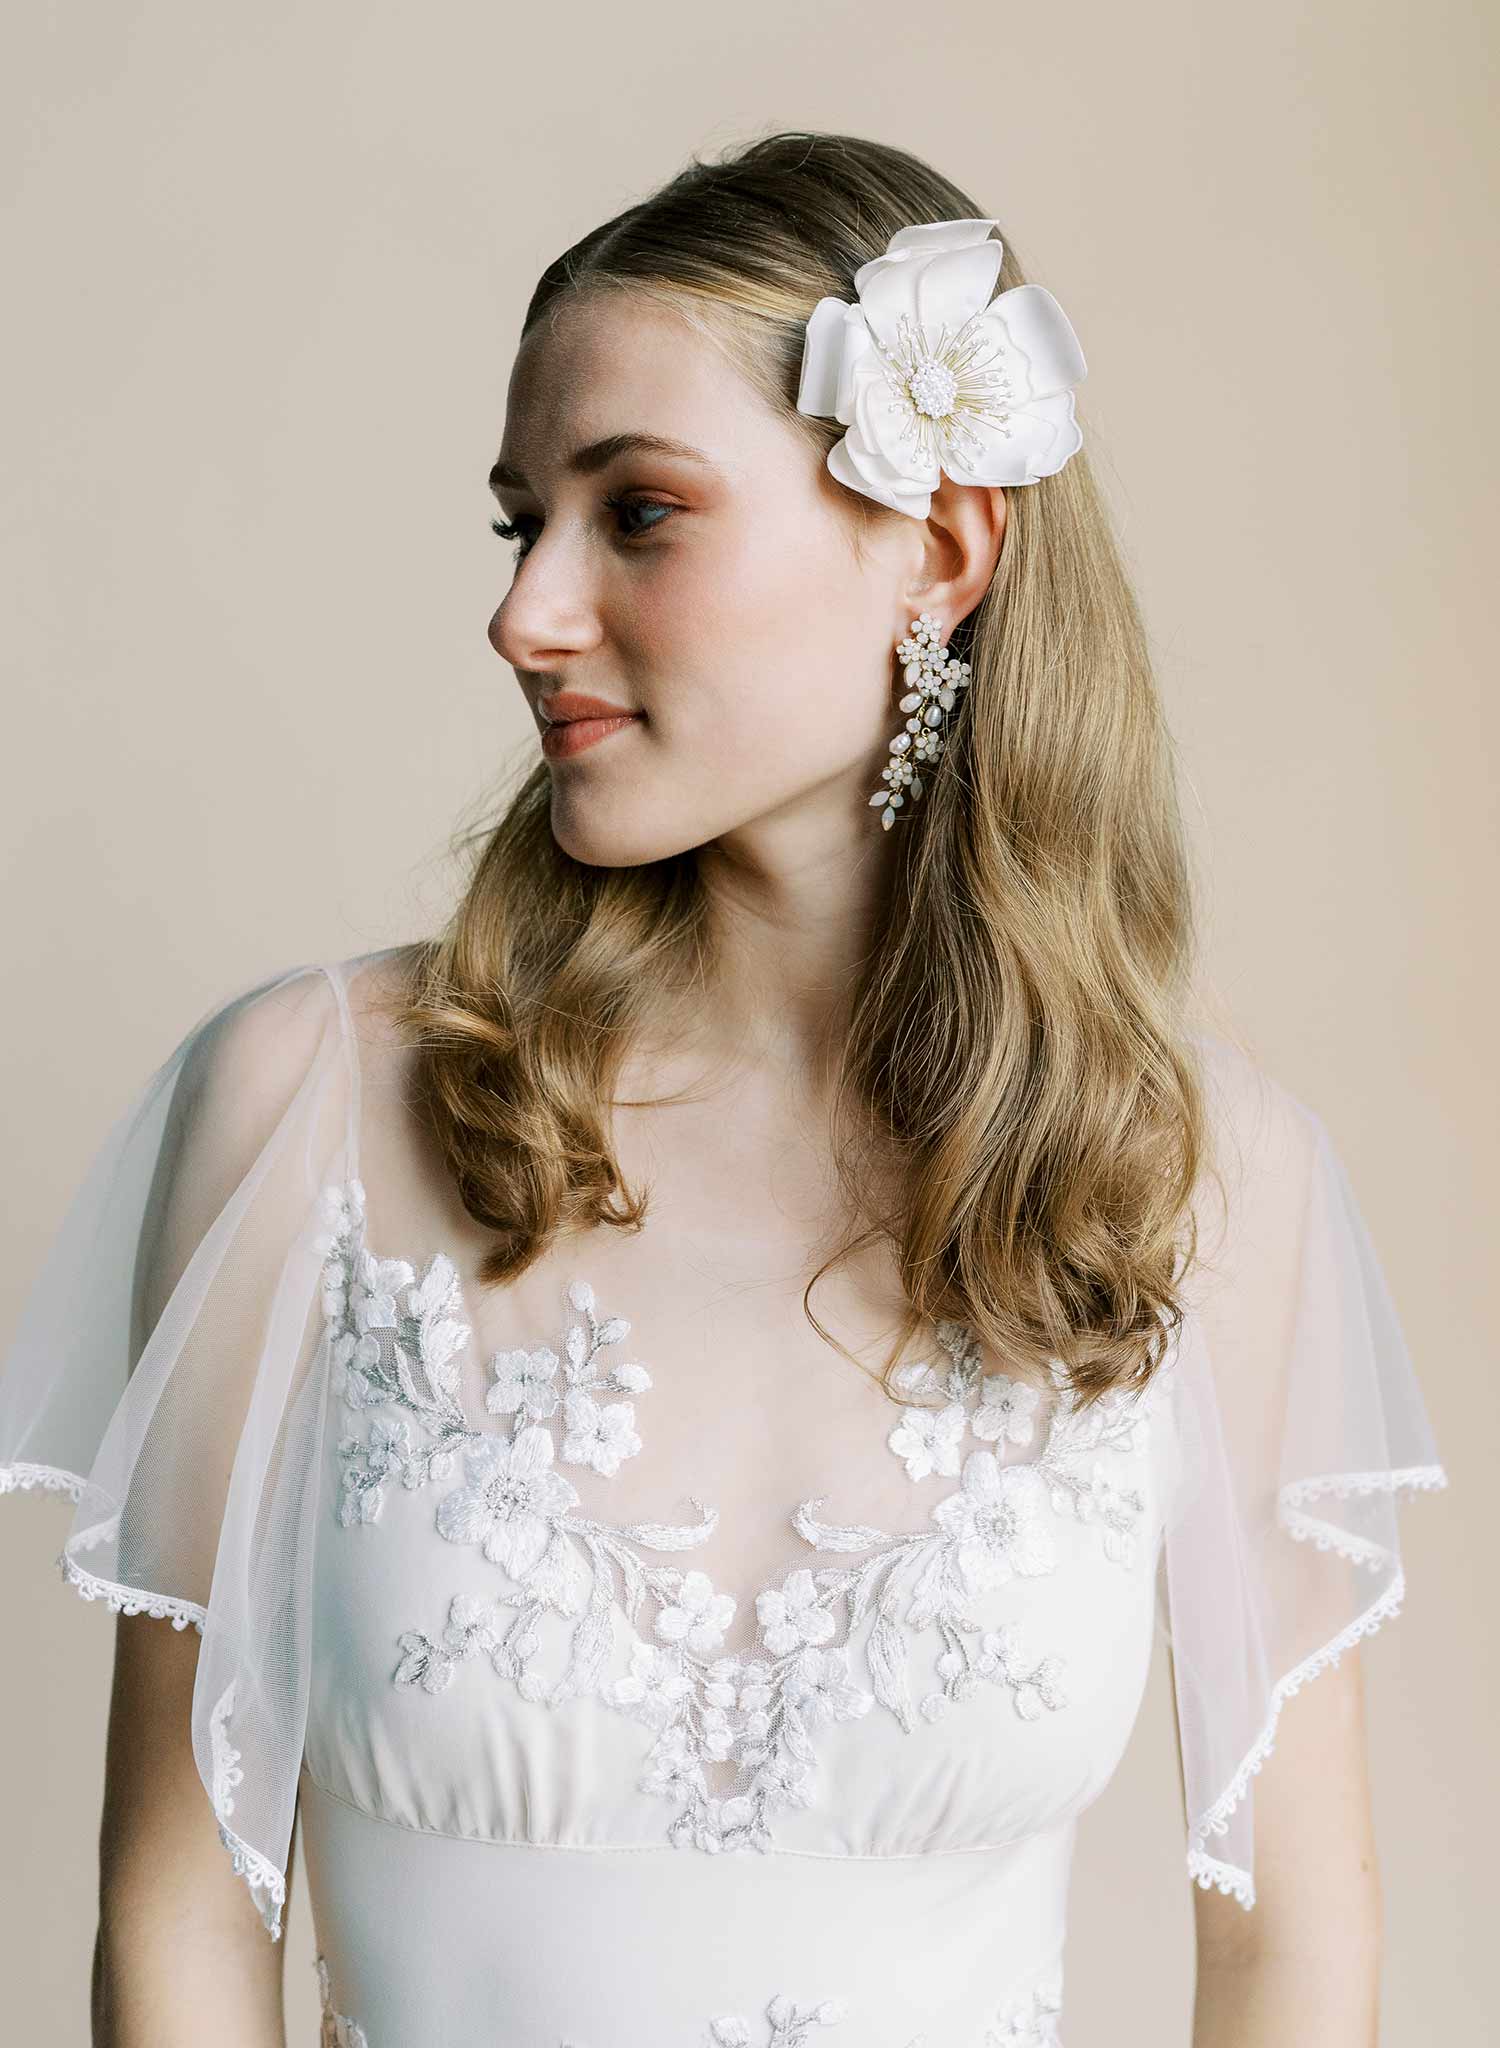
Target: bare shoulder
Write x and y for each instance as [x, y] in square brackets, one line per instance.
[1262, 1155]
[1257, 1121]
[264, 1025]
[378, 984]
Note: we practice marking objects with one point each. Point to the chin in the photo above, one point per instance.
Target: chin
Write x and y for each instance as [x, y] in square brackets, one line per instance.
[598, 841]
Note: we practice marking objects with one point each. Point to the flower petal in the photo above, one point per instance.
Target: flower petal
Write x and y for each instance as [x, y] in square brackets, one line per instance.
[516, 1543]
[531, 1452]
[859, 358]
[482, 1460]
[955, 286]
[553, 1493]
[1040, 438]
[928, 236]
[822, 354]
[937, 291]
[857, 470]
[888, 433]
[862, 465]
[463, 1516]
[1040, 333]
[983, 1476]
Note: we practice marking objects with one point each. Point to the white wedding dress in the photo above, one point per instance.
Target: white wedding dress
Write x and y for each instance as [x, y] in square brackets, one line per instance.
[640, 1675]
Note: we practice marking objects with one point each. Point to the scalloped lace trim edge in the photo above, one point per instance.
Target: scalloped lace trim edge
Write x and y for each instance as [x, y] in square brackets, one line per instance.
[21, 1475]
[1291, 1500]
[1230, 1878]
[1206, 1870]
[264, 1879]
[131, 1599]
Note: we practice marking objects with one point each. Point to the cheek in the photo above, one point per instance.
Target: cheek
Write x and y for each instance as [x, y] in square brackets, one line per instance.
[772, 644]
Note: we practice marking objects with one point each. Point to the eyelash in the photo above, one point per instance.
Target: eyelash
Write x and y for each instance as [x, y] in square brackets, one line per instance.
[509, 529]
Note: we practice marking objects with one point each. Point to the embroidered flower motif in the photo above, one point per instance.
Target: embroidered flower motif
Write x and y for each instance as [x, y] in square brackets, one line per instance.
[1032, 2023]
[791, 1614]
[524, 1379]
[1116, 1423]
[382, 1456]
[698, 1616]
[352, 1356]
[1036, 1682]
[471, 1626]
[511, 1499]
[1007, 1409]
[819, 1685]
[675, 1770]
[754, 1715]
[1098, 1499]
[655, 1685]
[738, 1694]
[928, 1439]
[597, 1436]
[995, 1519]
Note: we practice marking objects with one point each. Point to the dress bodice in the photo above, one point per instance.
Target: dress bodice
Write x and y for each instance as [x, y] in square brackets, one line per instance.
[644, 1783]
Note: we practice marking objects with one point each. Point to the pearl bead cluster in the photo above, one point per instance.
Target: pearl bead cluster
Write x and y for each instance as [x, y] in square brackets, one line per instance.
[935, 679]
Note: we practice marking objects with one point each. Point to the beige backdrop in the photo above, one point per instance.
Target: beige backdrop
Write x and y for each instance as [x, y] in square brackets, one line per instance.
[266, 269]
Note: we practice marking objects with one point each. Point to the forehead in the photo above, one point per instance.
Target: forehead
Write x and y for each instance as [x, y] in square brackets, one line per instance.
[610, 363]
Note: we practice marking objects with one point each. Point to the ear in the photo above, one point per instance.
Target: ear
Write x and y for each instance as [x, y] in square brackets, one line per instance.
[960, 547]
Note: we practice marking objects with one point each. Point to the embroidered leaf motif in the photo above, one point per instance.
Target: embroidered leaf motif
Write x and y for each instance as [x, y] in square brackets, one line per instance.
[834, 1535]
[888, 1667]
[663, 1536]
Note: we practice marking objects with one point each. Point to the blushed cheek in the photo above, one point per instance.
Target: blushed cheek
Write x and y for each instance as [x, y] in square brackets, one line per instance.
[758, 665]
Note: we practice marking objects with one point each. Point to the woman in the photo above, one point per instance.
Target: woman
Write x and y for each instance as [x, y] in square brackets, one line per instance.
[432, 1343]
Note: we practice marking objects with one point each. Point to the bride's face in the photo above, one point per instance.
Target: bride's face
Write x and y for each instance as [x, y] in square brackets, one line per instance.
[712, 588]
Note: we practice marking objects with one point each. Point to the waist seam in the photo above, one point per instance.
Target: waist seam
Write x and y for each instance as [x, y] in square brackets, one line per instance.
[671, 1849]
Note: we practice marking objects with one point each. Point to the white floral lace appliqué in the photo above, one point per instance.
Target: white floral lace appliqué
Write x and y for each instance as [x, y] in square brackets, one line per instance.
[396, 1344]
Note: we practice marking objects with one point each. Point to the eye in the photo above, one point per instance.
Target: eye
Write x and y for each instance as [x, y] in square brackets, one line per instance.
[622, 506]
[509, 530]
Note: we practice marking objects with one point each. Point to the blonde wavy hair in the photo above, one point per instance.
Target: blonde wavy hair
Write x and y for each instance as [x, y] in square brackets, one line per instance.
[1017, 1040]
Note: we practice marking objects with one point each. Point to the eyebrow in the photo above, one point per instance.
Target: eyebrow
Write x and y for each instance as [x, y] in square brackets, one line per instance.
[596, 455]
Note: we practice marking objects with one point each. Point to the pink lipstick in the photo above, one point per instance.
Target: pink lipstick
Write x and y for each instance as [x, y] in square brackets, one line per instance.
[575, 720]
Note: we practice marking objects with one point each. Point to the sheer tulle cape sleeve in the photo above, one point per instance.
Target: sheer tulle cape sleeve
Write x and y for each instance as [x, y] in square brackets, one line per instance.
[1302, 1429]
[165, 1374]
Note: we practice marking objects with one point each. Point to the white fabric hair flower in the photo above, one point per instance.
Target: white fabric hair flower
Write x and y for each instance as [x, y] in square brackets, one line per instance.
[932, 376]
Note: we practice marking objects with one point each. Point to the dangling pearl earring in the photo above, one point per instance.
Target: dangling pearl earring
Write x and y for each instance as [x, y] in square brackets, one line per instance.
[935, 681]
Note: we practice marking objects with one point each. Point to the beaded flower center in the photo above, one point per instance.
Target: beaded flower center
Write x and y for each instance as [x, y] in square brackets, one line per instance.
[933, 388]
[947, 387]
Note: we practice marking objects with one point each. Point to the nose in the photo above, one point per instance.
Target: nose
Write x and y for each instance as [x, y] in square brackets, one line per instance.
[548, 615]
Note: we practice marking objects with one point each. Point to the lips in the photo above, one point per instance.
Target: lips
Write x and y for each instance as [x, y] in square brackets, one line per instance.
[568, 736]
[570, 705]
